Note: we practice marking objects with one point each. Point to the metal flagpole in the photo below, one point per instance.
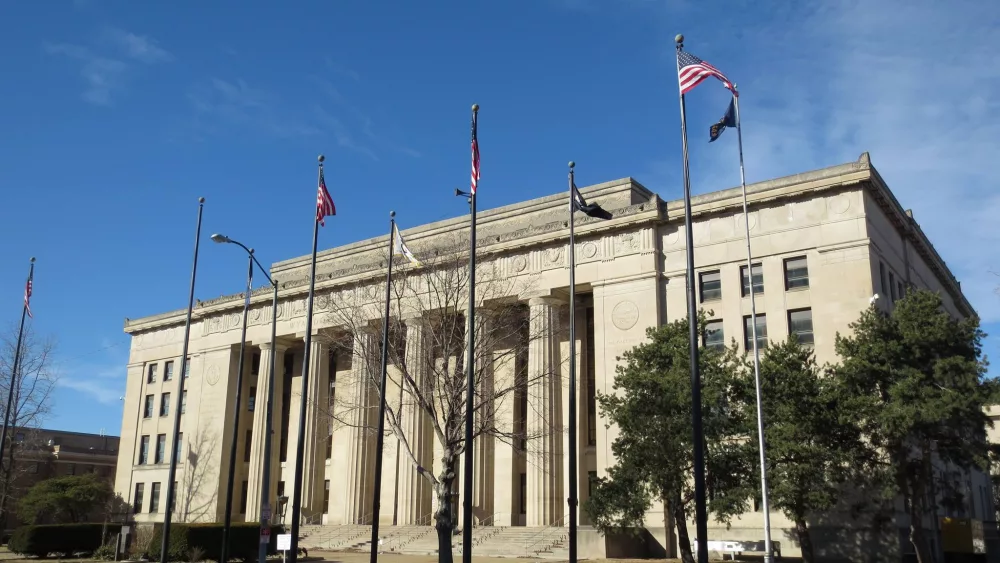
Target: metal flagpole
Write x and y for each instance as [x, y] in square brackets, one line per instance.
[172, 473]
[380, 439]
[698, 435]
[470, 368]
[572, 374]
[756, 351]
[228, 522]
[303, 403]
[7, 417]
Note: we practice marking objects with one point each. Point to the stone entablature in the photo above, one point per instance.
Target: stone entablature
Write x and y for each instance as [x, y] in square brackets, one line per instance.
[529, 238]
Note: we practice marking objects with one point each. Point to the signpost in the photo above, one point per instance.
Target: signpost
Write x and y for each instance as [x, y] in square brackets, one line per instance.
[284, 544]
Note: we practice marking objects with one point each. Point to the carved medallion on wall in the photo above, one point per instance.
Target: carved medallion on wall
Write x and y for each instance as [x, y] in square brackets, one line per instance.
[553, 255]
[839, 204]
[743, 220]
[256, 314]
[589, 250]
[520, 263]
[625, 315]
[626, 243]
[212, 374]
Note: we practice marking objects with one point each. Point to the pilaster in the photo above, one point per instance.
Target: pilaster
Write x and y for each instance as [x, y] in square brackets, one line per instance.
[414, 490]
[256, 469]
[545, 457]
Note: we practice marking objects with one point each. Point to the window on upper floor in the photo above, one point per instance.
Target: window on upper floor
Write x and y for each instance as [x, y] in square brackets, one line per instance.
[748, 333]
[187, 368]
[161, 447]
[800, 323]
[143, 450]
[714, 337]
[892, 286]
[137, 498]
[165, 404]
[148, 409]
[184, 401]
[168, 371]
[758, 280]
[710, 285]
[151, 373]
[154, 499]
[796, 273]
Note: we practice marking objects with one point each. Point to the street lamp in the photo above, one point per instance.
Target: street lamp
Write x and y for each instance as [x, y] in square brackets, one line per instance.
[266, 474]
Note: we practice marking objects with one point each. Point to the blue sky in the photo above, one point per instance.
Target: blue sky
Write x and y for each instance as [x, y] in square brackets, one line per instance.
[118, 116]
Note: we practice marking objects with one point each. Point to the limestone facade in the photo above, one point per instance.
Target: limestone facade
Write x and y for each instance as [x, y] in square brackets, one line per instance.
[825, 242]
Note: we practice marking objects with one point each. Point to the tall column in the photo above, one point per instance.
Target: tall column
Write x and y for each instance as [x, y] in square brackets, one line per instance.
[361, 463]
[483, 461]
[315, 450]
[545, 448]
[415, 490]
[256, 468]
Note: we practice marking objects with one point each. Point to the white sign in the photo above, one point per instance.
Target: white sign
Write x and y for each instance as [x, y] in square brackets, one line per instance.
[284, 542]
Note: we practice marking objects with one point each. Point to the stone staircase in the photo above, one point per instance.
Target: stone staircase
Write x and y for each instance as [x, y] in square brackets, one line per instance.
[488, 541]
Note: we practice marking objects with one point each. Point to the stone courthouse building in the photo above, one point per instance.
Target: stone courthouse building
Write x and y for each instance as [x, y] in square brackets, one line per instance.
[824, 243]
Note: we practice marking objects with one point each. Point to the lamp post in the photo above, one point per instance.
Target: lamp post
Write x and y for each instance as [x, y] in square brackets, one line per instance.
[266, 474]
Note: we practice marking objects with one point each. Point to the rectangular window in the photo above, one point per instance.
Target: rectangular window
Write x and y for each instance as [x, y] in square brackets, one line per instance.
[187, 368]
[591, 482]
[137, 498]
[151, 374]
[246, 446]
[148, 411]
[243, 497]
[179, 447]
[143, 450]
[165, 404]
[326, 496]
[524, 493]
[758, 280]
[154, 499]
[252, 399]
[168, 371]
[70, 469]
[882, 279]
[901, 289]
[161, 447]
[800, 323]
[710, 285]
[714, 337]
[281, 488]
[892, 286]
[748, 333]
[329, 445]
[184, 401]
[796, 273]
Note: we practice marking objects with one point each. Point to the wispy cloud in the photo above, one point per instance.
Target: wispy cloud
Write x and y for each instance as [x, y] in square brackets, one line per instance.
[222, 104]
[136, 47]
[359, 121]
[104, 65]
[341, 133]
[102, 378]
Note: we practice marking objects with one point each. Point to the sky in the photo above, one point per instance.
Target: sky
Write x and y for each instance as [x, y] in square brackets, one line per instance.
[117, 116]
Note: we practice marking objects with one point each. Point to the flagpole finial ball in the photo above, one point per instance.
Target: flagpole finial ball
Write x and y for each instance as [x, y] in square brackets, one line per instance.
[572, 164]
[475, 107]
[321, 158]
[32, 259]
[679, 39]
[392, 214]
[201, 200]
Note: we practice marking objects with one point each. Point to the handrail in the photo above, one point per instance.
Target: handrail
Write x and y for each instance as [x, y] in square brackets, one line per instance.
[540, 537]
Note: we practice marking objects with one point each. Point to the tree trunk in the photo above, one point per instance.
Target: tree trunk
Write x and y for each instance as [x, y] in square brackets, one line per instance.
[805, 540]
[917, 536]
[444, 517]
[680, 521]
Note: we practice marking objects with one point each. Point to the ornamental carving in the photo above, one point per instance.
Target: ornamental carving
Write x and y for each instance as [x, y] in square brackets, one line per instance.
[625, 315]
[553, 255]
[589, 250]
[626, 243]
[520, 263]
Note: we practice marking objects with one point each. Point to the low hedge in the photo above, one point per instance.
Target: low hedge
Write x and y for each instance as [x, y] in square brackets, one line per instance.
[56, 538]
[244, 539]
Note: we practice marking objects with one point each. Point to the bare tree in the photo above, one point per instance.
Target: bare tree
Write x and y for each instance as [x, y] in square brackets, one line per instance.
[426, 375]
[32, 402]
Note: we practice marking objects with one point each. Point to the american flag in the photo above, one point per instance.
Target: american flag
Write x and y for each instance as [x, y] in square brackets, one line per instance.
[475, 154]
[27, 296]
[691, 71]
[324, 203]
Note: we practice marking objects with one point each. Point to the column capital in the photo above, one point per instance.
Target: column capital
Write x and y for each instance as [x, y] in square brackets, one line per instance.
[279, 346]
[549, 300]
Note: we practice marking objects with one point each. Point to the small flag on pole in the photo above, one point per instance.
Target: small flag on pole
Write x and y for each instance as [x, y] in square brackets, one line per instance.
[692, 71]
[475, 153]
[400, 245]
[728, 120]
[27, 295]
[592, 209]
[324, 203]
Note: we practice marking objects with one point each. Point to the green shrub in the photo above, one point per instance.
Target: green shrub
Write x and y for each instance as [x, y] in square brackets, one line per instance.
[56, 538]
[106, 552]
[244, 538]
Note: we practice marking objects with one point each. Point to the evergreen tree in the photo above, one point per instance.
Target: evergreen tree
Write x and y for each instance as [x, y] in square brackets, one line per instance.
[651, 407]
[809, 443]
[915, 380]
